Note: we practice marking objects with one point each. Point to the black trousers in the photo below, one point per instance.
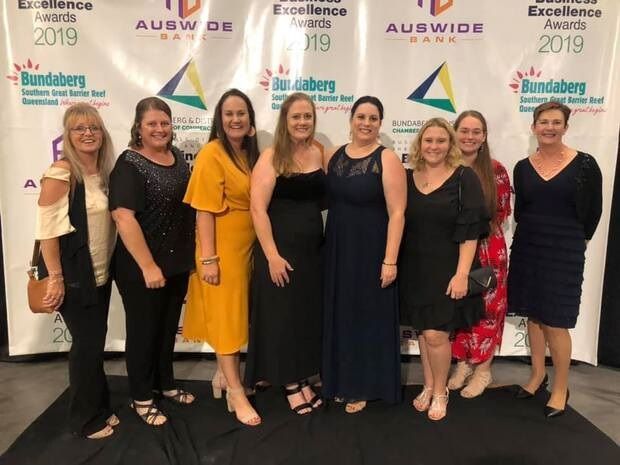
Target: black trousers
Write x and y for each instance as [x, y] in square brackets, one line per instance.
[89, 405]
[152, 321]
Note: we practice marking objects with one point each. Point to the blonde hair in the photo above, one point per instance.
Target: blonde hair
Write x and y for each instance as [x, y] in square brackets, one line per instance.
[283, 161]
[454, 157]
[106, 151]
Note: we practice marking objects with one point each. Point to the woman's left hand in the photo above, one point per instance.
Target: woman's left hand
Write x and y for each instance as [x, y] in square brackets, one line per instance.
[388, 275]
[457, 287]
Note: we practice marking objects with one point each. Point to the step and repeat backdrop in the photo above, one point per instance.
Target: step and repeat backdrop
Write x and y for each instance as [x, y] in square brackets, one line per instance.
[423, 58]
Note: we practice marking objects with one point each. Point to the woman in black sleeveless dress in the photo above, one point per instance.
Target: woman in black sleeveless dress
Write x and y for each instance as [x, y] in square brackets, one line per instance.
[558, 201]
[286, 295]
[366, 197]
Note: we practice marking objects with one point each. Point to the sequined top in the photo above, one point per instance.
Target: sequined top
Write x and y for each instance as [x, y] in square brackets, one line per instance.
[53, 220]
[155, 193]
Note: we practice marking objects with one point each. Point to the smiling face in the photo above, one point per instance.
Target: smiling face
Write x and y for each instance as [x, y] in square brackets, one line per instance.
[550, 127]
[300, 121]
[155, 130]
[86, 135]
[434, 145]
[470, 135]
[365, 124]
[235, 119]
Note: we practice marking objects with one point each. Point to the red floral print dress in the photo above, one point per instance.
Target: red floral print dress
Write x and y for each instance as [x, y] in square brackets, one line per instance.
[478, 343]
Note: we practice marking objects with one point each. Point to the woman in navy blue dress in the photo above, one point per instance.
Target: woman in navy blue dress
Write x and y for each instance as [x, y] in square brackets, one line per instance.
[366, 197]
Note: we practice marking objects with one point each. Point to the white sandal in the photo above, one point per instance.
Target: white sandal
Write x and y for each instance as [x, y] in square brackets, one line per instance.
[438, 407]
[423, 400]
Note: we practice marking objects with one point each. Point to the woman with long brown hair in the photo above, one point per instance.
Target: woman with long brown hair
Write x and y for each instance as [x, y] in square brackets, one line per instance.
[217, 299]
[475, 347]
[288, 185]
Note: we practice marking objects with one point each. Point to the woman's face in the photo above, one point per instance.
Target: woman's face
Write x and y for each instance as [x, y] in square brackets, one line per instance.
[235, 119]
[365, 124]
[155, 130]
[470, 135]
[550, 127]
[300, 121]
[86, 135]
[435, 144]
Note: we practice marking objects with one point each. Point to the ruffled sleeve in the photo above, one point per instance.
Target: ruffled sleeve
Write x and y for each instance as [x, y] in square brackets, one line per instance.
[205, 191]
[472, 222]
[53, 220]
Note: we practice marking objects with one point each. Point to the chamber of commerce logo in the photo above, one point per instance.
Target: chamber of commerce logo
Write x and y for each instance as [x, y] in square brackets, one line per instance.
[442, 75]
[184, 9]
[534, 88]
[169, 91]
[436, 6]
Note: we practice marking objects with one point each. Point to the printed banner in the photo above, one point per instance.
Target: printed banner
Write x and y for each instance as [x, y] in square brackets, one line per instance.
[423, 58]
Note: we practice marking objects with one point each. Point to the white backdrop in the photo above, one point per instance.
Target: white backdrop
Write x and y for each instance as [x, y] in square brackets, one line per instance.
[423, 58]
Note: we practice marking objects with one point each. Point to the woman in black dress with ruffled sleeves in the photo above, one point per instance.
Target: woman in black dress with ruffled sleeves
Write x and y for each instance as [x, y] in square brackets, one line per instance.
[445, 217]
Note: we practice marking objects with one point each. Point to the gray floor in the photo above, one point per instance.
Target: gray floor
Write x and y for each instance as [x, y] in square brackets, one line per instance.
[28, 388]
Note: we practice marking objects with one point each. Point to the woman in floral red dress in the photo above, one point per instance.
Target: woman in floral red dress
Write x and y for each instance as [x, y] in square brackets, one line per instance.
[475, 347]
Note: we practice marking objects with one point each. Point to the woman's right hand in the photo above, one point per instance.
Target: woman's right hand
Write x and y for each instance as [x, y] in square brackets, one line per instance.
[55, 293]
[210, 273]
[278, 268]
[153, 277]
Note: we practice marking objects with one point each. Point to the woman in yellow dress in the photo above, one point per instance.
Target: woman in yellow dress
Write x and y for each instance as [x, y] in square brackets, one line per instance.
[219, 190]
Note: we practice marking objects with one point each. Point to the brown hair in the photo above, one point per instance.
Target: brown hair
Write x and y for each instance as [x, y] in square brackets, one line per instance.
[106, 151]
[144, 105]
[483, 165]
[454, 157]
[566, 111]
[283, 161]
[250, 142]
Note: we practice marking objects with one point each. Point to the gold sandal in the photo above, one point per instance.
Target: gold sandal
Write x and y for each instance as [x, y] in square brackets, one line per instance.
[355, 406]
[459, 375]
[477, 384]
[438, 407]
[423, 400]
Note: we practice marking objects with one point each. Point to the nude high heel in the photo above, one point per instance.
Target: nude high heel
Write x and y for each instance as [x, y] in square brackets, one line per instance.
[252, 419]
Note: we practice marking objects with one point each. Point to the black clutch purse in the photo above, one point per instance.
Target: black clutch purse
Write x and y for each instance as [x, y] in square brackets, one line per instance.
[481, 280]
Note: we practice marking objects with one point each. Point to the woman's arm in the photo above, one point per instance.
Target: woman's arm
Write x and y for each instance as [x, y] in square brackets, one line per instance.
[395, 191]
[133, 238]
[52, 190]
[205, 225]
[262, 185]
[457, 287]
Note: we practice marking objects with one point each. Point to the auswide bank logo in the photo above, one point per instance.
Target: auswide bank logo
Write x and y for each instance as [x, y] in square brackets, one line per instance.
[171, 90]
[184, 8]
[180, 26]
[324, 92]
[54, 88]
[534, 88]
[436, 6]
[442, 76]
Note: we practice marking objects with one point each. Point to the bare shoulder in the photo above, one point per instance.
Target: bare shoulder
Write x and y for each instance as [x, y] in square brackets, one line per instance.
[389, 159]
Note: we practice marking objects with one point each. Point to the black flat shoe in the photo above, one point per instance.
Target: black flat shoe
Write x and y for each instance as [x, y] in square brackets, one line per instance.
[551, 412]
[525, 394]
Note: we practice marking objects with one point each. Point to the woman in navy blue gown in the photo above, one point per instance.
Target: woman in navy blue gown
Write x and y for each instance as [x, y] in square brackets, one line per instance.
[366, 197]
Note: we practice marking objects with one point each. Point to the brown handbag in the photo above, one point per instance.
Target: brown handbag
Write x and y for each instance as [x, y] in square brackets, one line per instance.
[37, 288]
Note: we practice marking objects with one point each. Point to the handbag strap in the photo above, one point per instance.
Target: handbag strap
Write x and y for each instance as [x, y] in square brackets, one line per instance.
[36, 251]
[460, 184]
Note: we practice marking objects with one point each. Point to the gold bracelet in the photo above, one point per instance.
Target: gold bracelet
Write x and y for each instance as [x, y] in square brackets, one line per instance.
[210, 260]
[389, 264]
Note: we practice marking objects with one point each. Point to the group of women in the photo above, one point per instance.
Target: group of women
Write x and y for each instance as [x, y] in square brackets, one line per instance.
[397, 248]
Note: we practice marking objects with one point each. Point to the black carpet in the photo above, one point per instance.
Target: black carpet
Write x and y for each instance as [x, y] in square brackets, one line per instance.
[495, 429]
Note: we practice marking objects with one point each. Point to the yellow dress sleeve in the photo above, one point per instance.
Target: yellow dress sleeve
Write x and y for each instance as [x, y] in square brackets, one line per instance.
[205, 191]
[53, 220]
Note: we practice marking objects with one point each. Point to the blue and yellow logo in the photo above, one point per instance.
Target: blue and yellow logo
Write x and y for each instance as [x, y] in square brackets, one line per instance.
[168, 91]
[419, 94]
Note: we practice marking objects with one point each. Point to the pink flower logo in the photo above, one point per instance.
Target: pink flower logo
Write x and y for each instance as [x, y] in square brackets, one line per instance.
[15, 76]
[515, 84]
